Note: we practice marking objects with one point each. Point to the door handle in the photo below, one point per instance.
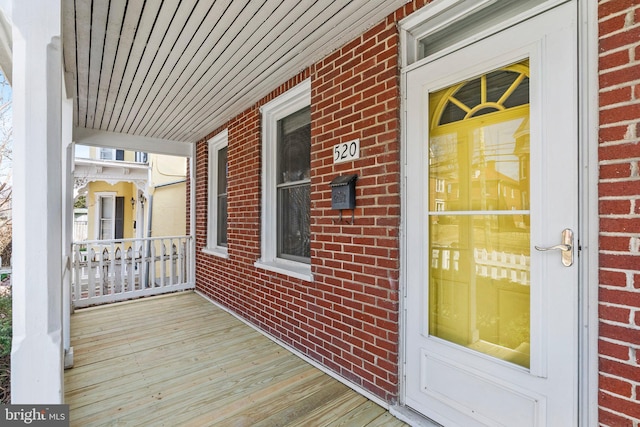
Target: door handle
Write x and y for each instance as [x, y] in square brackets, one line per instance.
[566, 247]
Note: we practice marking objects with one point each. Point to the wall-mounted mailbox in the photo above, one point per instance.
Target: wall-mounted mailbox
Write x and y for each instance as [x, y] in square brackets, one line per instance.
[343, 192]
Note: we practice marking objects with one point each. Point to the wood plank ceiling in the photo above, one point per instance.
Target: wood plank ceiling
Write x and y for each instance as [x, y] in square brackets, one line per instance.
[177, 69]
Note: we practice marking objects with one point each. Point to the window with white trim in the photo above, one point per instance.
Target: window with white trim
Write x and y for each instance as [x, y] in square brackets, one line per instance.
[286, 183]
[217, 192]
[109, 216]
[111, 154]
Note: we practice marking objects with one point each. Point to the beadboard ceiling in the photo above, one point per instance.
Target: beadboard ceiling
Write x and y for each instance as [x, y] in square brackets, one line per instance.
[177, 69]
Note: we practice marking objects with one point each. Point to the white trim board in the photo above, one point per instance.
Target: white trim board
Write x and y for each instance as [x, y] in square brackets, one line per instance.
[101, 138]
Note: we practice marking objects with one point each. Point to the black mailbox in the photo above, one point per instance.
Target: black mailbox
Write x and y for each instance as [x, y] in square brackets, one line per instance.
[343, 192]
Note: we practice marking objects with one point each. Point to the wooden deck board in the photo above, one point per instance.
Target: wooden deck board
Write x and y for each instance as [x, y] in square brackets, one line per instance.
[180, 360]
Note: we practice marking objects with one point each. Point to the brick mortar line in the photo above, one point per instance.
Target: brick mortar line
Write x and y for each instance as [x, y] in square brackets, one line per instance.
[631, 63]
[620, 253]
[616, 49]
[619, 161]
[612, 358]
[620, 30]
[607, 144]
[627, 103]
[618, 233]
[623, 325]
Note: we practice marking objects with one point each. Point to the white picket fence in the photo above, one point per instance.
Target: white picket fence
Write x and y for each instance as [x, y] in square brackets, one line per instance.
[107, 271]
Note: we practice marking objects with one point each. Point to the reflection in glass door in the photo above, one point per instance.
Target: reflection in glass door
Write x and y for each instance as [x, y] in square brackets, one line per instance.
[479, 228]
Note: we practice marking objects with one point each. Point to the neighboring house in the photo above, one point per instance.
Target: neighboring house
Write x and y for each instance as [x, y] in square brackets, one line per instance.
[129, 194]
[489, 273]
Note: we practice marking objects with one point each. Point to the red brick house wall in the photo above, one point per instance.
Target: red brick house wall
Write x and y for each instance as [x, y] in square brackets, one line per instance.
[347, 318]
[619, 199]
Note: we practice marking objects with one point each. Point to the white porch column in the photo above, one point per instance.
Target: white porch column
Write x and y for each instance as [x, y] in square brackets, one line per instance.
[37, 353]
[67, 220]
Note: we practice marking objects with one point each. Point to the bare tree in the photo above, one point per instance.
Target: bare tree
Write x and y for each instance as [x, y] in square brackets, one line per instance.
[6, 140]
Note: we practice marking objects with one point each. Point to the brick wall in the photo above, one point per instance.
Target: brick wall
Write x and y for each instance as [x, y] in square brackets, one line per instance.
[619, 198]
[347, 319]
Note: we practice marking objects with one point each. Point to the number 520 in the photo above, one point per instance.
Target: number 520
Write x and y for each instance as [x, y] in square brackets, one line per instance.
[346, 151]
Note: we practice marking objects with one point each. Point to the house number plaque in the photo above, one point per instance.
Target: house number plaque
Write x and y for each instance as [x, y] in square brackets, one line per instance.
[346, 151]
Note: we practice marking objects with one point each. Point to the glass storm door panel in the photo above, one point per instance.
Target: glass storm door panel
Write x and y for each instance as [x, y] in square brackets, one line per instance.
[491, 174]
[479, 219]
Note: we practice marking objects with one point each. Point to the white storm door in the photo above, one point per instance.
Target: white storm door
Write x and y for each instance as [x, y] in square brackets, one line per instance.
[491, 174]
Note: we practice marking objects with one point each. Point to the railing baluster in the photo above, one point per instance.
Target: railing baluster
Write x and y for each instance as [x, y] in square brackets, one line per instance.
[163, 266]
[181, 261]
[130, 269]
[142, 271]
[172, 260]
[152, 266]
[117, 272]
[113, 270]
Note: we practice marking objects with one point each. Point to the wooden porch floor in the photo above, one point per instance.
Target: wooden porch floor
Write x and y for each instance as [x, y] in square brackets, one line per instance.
[179, 360]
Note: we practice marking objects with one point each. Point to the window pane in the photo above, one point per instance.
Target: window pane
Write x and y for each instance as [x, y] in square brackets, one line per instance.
[107, 153]
[480, 283]
[106, 207]
[105, 229]
[294, 236]
[294, 147]
[223, 171]
[222, 221]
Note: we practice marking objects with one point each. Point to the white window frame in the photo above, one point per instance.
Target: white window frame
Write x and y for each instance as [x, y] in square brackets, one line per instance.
[215, 144]
[98, 217]
[293, 100]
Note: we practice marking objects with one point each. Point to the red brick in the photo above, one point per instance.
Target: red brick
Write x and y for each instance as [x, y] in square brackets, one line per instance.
[612, 278]
[611, 134]
[614, 207]
[622, 113]
[620, 405]
[620, 333]
[620, 297]
[620, 369]
[614, 243]
[611, 24]
[615, 170]
[624, 262]
[615, 96]
[608, 419]
[622, 188]
[620, 76]
[617, 351]
[626, 38]
[619, 151]
[614, 313]
[611, 7]
[616, 386]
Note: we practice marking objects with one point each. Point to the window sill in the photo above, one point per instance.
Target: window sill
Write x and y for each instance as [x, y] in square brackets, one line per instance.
[293, 269]
[219, 252]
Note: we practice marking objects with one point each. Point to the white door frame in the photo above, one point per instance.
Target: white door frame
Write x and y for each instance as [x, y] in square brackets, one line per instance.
[588, 261]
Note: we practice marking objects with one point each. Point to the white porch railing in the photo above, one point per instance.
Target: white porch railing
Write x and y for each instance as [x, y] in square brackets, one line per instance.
[107, 271]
